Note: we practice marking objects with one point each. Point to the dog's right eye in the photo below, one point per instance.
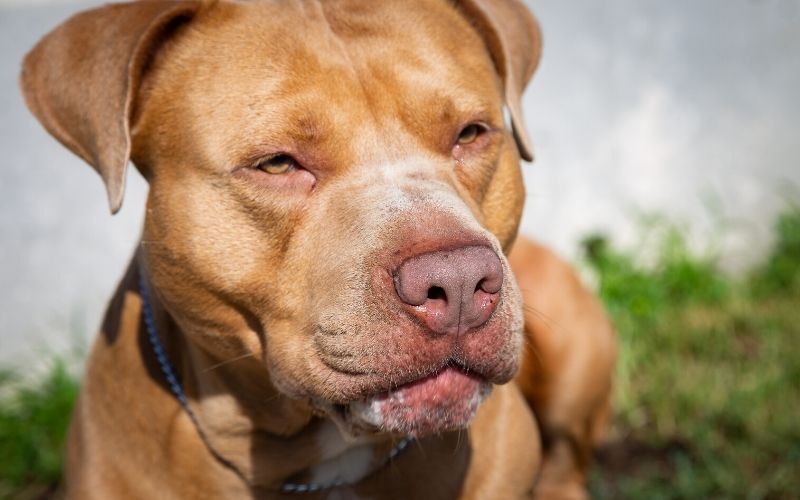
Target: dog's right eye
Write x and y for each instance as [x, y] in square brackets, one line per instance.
[278, 164]
[470, 133]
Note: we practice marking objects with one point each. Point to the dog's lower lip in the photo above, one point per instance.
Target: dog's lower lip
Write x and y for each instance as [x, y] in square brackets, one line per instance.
[444, 400]
[420, 380]
[448, 372]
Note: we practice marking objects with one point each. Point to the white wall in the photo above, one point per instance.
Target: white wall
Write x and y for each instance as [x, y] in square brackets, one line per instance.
[690, 108]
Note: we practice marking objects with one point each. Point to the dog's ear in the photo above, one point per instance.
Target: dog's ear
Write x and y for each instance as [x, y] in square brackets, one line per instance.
[513, 38]
[81, 79]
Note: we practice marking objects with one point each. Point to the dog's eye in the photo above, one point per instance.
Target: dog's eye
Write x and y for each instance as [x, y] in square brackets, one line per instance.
[469, 133]
[278, 164]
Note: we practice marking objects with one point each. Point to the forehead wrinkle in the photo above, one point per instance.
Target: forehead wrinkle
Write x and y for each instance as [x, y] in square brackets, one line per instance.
[387, 98]
[423, 93]
[344, 50]
[329, 80]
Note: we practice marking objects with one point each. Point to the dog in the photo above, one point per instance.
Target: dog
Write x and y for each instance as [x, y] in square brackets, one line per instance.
[321, 303]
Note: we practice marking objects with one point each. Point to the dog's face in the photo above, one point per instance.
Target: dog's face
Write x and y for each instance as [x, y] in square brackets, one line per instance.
[331, 190]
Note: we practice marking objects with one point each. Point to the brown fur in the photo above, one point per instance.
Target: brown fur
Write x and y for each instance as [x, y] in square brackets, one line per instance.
[272, 291]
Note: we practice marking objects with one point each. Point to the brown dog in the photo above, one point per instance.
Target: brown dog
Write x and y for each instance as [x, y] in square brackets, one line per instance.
[332, 190]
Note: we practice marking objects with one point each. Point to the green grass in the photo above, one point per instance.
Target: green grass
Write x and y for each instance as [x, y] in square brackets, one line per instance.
[33, 425]
[707, 396]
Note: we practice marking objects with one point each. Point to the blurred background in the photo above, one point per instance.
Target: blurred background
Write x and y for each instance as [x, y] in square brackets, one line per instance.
[667, 137]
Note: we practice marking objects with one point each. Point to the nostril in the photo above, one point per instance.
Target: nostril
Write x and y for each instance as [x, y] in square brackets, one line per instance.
[492, 282]
[436, 293]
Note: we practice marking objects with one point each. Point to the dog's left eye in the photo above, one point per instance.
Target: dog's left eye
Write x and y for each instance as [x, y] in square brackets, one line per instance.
[470, 133]
[278, 164]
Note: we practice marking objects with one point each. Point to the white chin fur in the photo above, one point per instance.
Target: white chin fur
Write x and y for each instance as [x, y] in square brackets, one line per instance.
[368, 411]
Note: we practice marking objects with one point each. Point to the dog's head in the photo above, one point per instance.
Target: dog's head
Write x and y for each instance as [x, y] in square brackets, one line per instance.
[332, 184]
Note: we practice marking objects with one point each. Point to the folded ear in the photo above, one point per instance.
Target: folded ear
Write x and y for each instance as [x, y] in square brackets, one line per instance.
[513, 38]
[81, 79]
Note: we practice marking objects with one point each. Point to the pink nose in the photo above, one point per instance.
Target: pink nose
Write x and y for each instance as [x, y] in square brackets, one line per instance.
[451, 290]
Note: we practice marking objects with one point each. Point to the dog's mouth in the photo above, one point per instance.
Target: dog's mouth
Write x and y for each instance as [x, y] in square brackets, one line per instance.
[445, 400]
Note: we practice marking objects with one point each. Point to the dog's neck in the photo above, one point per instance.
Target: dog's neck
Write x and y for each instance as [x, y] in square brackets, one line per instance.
[269, 440]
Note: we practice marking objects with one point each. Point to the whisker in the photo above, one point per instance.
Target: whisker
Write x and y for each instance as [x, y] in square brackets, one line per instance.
[275, 396]
[420, 448]
[546, 319]
[458, 441]
[529, 345]
[223, 363]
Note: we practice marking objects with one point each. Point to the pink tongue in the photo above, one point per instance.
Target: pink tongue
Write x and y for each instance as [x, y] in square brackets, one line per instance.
[443, 401]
